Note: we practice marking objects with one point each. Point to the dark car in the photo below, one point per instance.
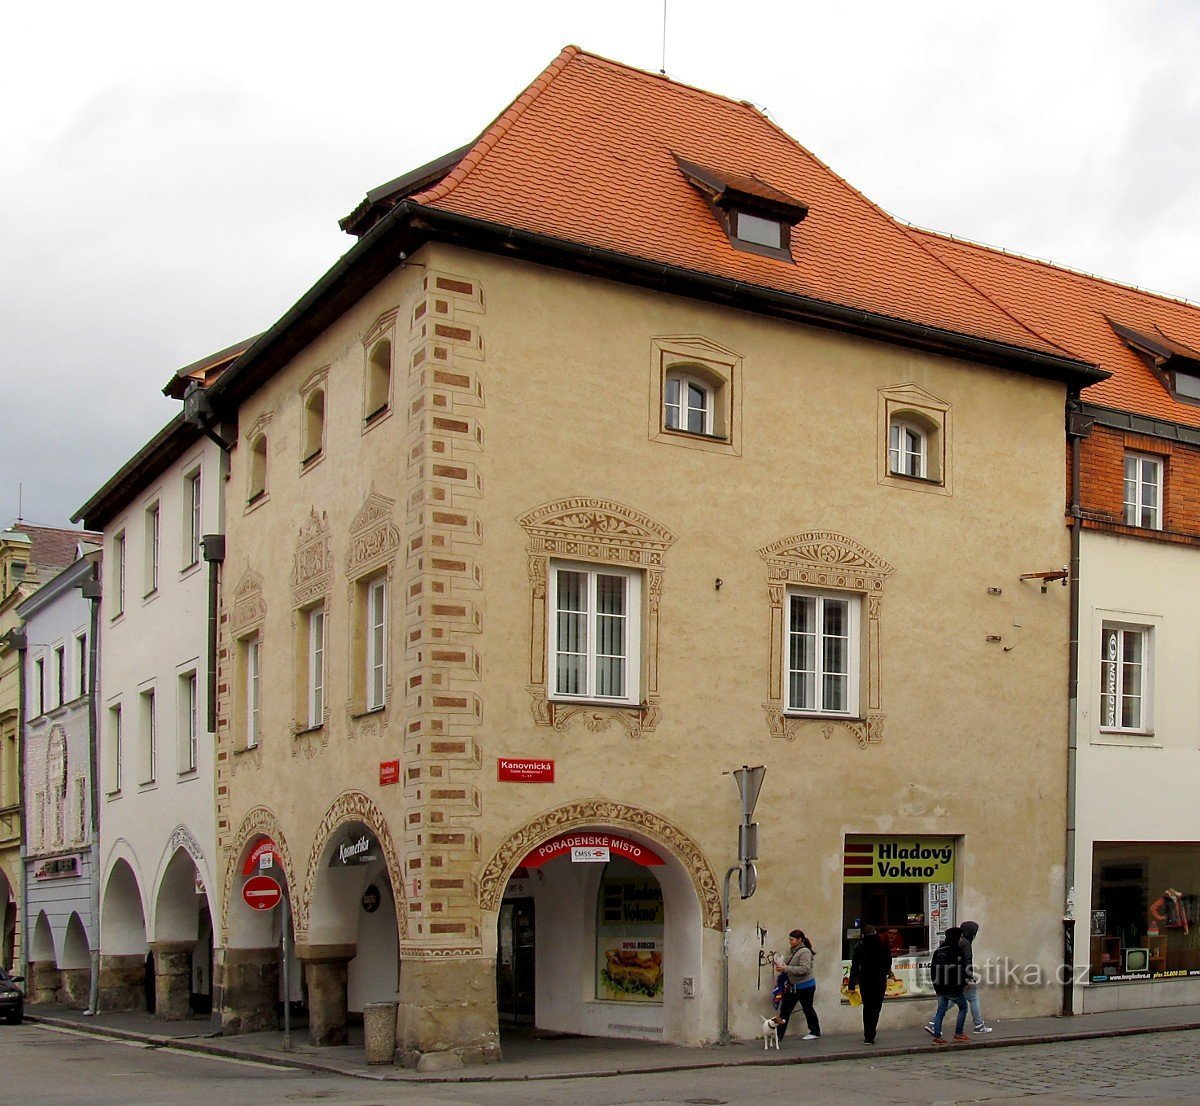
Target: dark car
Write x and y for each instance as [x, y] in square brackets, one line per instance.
[12, 998]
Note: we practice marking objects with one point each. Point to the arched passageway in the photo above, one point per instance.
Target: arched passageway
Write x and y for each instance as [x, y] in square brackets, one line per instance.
[183, 942]
[126, 975]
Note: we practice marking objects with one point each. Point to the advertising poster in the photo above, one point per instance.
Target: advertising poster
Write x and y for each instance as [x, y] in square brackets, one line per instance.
[629, 939]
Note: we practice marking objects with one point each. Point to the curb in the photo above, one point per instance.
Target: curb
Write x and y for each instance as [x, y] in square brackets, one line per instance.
[275, 1059]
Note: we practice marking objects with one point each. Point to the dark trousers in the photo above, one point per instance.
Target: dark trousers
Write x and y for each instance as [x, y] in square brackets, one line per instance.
[805, 997]
[872, 1003]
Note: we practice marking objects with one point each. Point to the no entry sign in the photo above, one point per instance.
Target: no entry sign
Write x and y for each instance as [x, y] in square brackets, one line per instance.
[261, 893]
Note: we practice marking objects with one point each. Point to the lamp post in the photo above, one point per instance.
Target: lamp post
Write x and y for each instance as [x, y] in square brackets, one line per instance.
[749, 781]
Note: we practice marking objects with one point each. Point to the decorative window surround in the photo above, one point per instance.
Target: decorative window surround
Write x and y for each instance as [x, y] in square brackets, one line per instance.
[313, 395]
[249, 615]
[832, 562]
[595, 532]
[715, 368]
[379, 348]
[908, 404]
[312, 582]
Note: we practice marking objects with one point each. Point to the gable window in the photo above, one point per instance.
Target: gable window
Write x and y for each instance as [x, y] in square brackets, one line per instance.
[119, 573]
[192, 520]
[908, 448]
[687, 404]
[1143, 491]
[313, 437]
[257, 486]
[378, 390]
[376, 643]
[822, 653]
[1125, 656]
[595, 632]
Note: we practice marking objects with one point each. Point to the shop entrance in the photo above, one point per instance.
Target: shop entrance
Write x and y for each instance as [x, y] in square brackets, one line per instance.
[516, 963]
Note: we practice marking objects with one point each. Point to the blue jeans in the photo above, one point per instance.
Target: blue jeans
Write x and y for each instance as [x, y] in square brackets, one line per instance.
[944, 1002]
[972, 996]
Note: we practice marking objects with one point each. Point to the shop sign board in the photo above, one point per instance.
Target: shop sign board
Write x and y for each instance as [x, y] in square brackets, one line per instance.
[389, 772]
[261, 893]
[512, 770]
[590, 854]
[263, 857]
[61, 867]
[899, 860]
[357, 846]
[617, 846]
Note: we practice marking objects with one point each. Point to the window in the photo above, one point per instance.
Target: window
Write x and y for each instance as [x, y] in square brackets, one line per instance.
[149, 735]
[759, 231]
[257, 486]
[80, 809]
[687, 404]
[313, 436]
[376, 675]
[822, 653]
[907, 449]
[193, 521]
[60, 675]
[316, 666]
[119, 573]
[595, 632]
[115, 749]
[152, 534]
[252, 659]
[189, 721]
[1143, 491]
[81, 664]
[1125, 654]
[39, 686]
[378, 391]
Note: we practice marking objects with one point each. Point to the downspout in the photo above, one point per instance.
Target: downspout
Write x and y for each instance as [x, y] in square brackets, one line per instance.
[1079, 426]
[90, 588]
[214, 554]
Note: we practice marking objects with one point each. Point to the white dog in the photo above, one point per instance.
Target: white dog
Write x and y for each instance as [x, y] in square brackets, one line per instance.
[770, 1033]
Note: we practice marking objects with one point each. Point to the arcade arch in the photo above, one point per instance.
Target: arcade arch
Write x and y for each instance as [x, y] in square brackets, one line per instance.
[125, 967]
[183, 940]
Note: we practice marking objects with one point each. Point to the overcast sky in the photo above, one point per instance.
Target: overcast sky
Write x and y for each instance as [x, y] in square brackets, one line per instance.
[171, 176]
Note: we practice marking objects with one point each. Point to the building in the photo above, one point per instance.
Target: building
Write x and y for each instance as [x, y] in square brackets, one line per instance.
[161, 516]
[29, 556]
[60, 903]
[1134, 844]
[627, 446]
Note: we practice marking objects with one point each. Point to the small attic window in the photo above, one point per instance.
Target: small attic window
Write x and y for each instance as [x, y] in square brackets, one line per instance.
[1175, 364]
[756, 216]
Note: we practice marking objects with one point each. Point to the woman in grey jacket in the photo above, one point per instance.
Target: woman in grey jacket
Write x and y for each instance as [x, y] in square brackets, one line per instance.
[801, 985]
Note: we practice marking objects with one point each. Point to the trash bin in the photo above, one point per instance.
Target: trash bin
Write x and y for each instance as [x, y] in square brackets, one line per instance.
[379, 1032]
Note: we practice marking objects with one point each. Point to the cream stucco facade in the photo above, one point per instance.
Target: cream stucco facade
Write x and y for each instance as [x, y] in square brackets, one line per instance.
[523, 432]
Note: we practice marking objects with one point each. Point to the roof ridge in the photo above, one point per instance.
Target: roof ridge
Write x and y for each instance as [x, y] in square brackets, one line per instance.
[498, 128]
[1047, 264]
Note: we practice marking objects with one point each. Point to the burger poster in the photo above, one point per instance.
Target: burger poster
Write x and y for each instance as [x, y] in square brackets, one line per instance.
[629, 939]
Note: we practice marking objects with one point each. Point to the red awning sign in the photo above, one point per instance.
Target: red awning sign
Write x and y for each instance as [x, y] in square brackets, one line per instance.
[564, 843]
[261, 893]
[255, 862]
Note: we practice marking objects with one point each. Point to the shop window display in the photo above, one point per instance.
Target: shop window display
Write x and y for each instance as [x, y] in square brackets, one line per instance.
[1145, 917]
[903, 886]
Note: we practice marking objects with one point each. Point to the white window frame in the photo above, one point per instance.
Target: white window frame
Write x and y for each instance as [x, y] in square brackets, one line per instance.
[60, 675]
[81, 659]
[119, 551]
[683, 409]
[900, 458]
[153, 535]
[633, 634]
[189, 721]
[1136, 505]
[1114, 661]
[316, 632]
[375, 676]
[39, 679]
[853, 603]
[149, 721]
[193, 517]
[114, 714]
[253, 691]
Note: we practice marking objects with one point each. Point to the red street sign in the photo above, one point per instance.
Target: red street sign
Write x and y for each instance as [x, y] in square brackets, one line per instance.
[261, 893]
[389, 772]
[617, 846]
[254, 862]
[509, 770]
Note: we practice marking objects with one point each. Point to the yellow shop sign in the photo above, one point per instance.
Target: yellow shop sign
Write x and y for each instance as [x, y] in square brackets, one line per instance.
[898, 860]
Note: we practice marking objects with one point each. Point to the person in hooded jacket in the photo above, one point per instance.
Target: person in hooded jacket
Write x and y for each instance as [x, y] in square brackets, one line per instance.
[870, 967]
[971, 991]
[948, 971]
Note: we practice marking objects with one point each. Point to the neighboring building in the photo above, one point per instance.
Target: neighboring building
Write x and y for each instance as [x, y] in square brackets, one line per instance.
[628, 446]
[60, 862]
[158, 835]
[1135, 847]
[29, 556]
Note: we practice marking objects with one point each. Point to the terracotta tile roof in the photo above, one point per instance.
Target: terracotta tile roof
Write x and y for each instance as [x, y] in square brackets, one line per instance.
[1073, 311]
[52, 548]
[587, 155]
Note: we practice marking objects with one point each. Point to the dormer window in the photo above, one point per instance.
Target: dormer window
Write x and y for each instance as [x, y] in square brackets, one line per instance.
[1176, 365]
[756, 216]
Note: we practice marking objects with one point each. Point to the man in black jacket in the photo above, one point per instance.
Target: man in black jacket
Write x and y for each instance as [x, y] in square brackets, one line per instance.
[948, 970]
[869, 970]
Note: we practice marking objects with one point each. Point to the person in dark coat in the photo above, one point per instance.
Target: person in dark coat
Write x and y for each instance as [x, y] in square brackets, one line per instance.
[948, 970]
[870, 968]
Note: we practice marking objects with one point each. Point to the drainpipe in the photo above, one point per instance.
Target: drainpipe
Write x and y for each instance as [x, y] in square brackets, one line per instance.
[18, 641]
[91, 591]
[1079, 426]
[214, 554]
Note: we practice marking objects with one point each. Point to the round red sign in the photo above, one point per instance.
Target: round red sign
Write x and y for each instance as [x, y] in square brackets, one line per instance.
[261, 893]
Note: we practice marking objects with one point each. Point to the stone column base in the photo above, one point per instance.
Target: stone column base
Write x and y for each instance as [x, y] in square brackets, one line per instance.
[44, 981]
[122, 983]
[246, 989]
[173, 979]
[325, 972]
[447, 1012]
[76, 988]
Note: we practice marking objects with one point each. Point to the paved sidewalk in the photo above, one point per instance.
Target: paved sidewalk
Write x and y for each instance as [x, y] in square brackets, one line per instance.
[527, 1056]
